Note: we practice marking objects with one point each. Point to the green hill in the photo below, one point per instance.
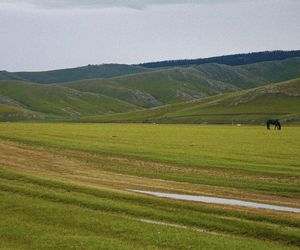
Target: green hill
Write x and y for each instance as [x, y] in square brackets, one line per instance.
[15, 113]
[155, 88]
[173, 85]
[72, 74]
[133, 92]
[17, 97]
[280, 101]
[114, 70]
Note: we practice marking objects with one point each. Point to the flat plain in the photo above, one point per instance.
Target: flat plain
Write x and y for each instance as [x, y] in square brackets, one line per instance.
[67, 186]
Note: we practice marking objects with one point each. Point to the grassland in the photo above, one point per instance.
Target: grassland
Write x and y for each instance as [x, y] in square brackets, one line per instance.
[66, 186]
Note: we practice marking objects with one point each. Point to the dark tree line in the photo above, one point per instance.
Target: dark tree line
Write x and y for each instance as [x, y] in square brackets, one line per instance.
[238, 59]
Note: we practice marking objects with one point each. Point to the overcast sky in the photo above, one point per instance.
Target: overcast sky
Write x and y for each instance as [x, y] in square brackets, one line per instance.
[51, 34]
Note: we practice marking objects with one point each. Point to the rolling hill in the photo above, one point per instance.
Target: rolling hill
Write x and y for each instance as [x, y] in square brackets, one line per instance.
[177, 87]
[155, 88]
[72, 74]
[173, 85]
[114, 70]
[281, 100]
[28, 100]
[15, 113]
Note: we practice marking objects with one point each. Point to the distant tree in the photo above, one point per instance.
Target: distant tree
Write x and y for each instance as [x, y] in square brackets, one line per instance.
[237, 59]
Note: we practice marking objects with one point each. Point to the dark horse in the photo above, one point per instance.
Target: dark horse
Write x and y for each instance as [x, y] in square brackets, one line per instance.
[274, 122]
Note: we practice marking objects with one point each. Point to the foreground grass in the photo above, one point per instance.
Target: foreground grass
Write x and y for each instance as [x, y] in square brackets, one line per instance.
[51, 213]
[249, 158]
[39, 224]
[65, 186]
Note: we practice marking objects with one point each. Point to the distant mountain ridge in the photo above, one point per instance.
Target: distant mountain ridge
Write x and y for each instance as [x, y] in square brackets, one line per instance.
[178, 84]
[232, 60]
[73, 74]
[134, 88]
[115, 70]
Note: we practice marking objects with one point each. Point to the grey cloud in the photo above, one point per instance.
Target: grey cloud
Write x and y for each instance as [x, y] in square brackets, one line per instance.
[136, 4]
[34, 36]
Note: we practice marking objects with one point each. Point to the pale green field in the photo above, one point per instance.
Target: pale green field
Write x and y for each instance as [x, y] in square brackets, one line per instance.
[66, 186]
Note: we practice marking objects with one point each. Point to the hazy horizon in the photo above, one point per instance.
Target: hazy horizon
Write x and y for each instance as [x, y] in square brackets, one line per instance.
[47, 35]
[138, 63]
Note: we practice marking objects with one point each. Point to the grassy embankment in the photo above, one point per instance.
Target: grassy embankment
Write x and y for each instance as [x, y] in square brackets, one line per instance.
[65, 185]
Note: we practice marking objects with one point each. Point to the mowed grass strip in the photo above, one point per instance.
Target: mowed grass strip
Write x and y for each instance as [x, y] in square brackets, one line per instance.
[138, 206]
[248, 158]
[34, 223]
[103, 192]
[61, 165]
[128, 173]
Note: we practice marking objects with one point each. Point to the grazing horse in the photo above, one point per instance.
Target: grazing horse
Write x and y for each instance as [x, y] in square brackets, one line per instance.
[274, 122]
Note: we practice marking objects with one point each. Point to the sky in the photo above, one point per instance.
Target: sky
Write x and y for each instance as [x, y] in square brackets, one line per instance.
[40, 35]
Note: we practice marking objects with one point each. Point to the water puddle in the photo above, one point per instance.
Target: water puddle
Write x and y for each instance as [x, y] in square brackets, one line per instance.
[222, 201]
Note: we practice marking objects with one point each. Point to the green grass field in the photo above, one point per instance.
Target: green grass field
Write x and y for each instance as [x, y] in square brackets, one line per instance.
[66, 186]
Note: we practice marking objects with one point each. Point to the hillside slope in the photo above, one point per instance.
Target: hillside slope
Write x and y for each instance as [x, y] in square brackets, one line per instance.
[10, 112]
[167, 86]
[281, 101]
[114, 70]
[23, 100]
[73, 74]
[17, 97]
[156, 88]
